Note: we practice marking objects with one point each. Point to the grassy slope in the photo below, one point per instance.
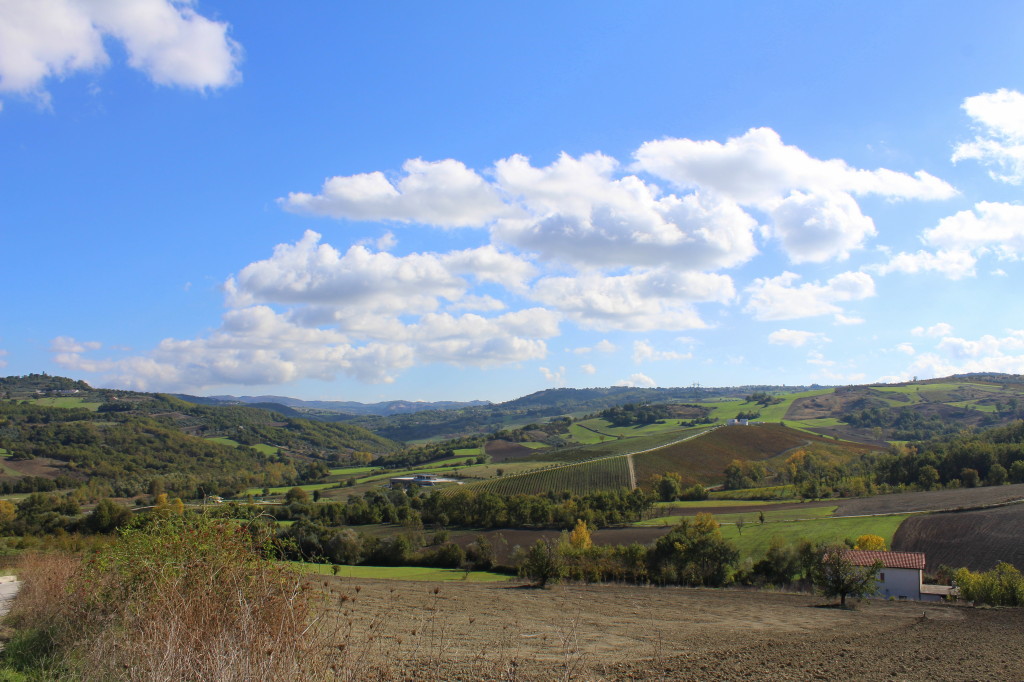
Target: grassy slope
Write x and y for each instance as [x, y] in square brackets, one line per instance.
[417, 573]
[755, 539]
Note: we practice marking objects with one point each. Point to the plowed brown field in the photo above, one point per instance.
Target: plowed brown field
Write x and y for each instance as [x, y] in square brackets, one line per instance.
[496, 632]
[975, 539]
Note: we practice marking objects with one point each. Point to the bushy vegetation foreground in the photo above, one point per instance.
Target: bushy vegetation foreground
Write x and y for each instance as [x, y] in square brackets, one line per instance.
[178, 598]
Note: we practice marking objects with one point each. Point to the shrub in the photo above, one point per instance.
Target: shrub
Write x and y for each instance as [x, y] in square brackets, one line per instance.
[183, 598]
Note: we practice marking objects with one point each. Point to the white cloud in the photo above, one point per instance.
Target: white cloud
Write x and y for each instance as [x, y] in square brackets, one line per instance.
[643, 351]
[556, 377]
[68, 344]
[842, 319]
[588, 369]
[992, 225]
[637, 380]
[1000, 116]
[796, 338]
[602, 346]
[642, 301]
[444, 193]
[780, 298]
[936, 330]
[953, 264]
[312, 273]
[815, 228]
[906, 348]
[959, 356]
[758, 169]
[167, 40]
[480, 303]
[577, 212]
[4, 354]
[386, 242]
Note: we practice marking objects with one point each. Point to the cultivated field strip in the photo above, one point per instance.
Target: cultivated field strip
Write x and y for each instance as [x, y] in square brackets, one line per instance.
[610, 472]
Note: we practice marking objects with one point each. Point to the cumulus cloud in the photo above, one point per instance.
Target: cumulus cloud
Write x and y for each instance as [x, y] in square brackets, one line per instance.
[757, 169]
[602, 346]
[588, 369]
[643, 301]
[796, 338]
[954, 264]
[556, 377]
[815, 228]
[637, 380]
[906, 348]
[1000, 117]
[961, 239]
[643, 351]
[998, 227]
[954, 355]
[444, 193]
[591, 212]
[167, 40]
[936, 330]
[577, 212]
[781, 298]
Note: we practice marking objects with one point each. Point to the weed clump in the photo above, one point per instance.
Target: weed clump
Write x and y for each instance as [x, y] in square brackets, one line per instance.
[179, 598]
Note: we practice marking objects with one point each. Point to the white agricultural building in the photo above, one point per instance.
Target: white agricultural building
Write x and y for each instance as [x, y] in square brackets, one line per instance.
[900, 575]
[422, 480]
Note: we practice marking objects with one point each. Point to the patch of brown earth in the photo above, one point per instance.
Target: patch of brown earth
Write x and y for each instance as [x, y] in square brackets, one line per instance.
[399, 630]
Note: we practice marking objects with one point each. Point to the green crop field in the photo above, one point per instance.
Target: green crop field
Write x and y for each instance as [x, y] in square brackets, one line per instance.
[749, 518]
[66, 402]
[352, 471]
[755, 539]
[468, 452]
[703, 504]
[534, 445]
[610, 473]
[417, 573]
[782, 493]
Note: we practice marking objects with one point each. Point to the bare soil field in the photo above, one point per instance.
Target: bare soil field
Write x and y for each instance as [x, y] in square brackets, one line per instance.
[394, 630]
[507, 451]
[933, 500]
[975, 539]
[37, 466]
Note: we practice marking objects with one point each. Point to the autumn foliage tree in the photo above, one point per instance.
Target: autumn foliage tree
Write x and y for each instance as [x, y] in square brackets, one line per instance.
[871, 542]
[835, 575]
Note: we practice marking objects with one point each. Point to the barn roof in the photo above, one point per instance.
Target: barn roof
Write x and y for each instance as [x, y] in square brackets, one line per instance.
[864, 557]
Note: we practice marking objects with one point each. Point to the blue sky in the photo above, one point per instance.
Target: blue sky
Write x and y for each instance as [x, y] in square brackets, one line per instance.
[470, 200]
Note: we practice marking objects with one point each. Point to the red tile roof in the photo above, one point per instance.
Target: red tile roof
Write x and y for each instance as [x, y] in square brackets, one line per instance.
[864, 557]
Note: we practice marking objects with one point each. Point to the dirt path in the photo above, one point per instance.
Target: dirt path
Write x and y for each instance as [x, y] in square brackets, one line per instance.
[632, 471]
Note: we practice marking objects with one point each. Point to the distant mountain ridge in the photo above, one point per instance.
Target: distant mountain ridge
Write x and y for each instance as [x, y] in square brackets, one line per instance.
[382, 409]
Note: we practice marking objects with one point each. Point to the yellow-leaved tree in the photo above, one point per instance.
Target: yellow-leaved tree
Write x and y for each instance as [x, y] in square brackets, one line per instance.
[580, 535]
[872, 542]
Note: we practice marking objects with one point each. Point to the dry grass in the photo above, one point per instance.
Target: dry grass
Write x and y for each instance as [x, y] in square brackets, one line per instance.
[178, 601]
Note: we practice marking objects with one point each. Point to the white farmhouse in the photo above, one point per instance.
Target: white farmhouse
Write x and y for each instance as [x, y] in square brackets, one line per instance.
[900, 575]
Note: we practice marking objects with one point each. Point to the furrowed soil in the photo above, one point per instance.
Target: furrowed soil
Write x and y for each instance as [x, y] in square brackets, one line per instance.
[397, 630]
[934, 500]
[975, 539]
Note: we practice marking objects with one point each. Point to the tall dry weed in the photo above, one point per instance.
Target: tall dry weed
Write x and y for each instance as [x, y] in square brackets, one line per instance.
[178, 600]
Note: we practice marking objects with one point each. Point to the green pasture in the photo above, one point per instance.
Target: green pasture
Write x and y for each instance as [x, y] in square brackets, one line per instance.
[508, 468]
[418, 573]
[750, 518]
[702, 504]
[533, 445]
[260, 447]
[468, 452]
[973, 405]
[66, 402]
[586, 436]
[352, 471]
[5, 454]
[755, 539]
[785, 493]
[282, 489]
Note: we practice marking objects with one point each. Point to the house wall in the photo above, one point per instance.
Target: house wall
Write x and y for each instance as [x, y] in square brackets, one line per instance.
[899, 582]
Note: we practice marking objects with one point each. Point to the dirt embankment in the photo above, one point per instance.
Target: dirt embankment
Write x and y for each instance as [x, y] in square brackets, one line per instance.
[611, 632]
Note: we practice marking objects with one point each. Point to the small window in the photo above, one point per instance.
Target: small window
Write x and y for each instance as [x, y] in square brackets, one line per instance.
[881, 576]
